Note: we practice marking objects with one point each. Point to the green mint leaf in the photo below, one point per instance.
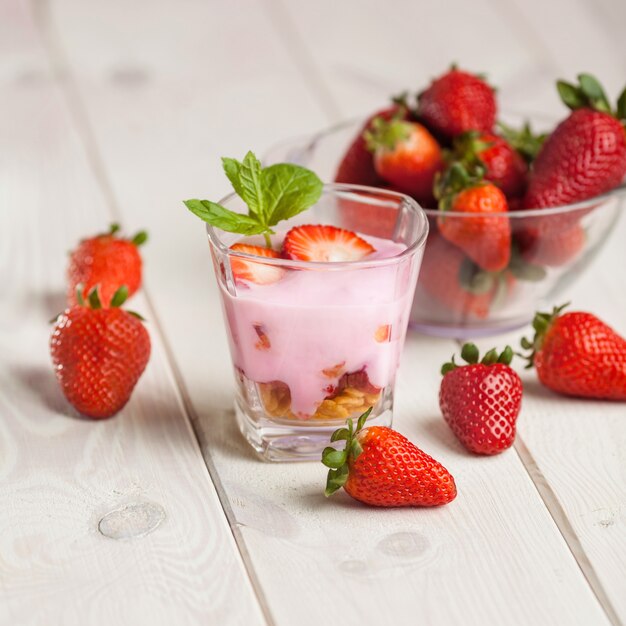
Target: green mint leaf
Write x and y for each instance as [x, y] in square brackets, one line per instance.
[289, 190]
[218, 216]
[246, 178]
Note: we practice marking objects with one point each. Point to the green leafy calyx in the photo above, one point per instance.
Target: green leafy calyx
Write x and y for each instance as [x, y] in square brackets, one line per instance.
[471, 355]
[272, 194]
[467, 150]
[589, 93]
[337, 460]
[455, 179]
[524, 140]
[541, 324]
[387, 134]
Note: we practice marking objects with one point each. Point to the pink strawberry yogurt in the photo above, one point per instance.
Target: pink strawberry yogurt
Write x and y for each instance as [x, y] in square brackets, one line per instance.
[312, 326]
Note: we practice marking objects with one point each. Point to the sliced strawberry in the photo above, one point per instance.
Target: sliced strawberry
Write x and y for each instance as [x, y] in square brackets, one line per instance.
[316, 242]
[251, 271]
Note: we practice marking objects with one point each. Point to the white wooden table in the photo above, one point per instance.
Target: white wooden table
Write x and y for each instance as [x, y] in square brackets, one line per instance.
[119, 110]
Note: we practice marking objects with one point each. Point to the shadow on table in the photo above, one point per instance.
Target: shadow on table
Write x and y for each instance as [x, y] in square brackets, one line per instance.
[41, 382]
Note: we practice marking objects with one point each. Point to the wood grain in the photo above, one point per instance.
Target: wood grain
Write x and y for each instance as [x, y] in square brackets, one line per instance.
[110, 522]
[495, 556]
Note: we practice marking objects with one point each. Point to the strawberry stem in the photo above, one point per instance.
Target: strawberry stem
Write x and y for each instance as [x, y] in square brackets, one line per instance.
[268, 241]
[541, 324]
[337, 460]
[470, 354]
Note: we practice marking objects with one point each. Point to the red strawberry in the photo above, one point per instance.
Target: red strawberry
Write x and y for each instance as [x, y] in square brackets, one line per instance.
[106, 261]
[381, 467]
[486, 236]
[551, 248]
[406, 155]
[578, 355]
[357, 165]
[481, 401]
[457, 102]
[450, 279]
[500, 163]
[316, 242]
[585, 155]
[99, 354]
[252, 271]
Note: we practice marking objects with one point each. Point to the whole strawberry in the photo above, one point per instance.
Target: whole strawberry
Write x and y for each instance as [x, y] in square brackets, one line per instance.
[578, 355]
[485, 235]
[551, 248]
[586, 154]
[99, 354]
[481, 401]
[405, 155]
[357, 165]
[498, 161]
[381, 467]
[451, 280]
[107, 261]
[457, 102]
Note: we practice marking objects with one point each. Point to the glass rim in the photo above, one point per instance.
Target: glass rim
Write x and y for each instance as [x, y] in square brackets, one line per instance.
[309, 142]
[413, 205]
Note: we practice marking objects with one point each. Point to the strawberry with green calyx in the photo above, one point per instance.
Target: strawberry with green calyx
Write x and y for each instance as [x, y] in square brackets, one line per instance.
[272, 194]
[585, 155]
[108, 261]
[577, 354]
[485, 236]
[405, 154]
[492, 157]
[99, 353]
[357, 165]
[481, 400]
[380, 467]
[525, 141]
[457, 102]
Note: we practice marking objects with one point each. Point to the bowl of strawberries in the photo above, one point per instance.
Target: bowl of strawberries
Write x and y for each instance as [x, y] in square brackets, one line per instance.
[515, 215]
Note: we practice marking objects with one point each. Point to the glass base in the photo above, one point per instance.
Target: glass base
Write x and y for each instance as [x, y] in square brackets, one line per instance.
[293, 440]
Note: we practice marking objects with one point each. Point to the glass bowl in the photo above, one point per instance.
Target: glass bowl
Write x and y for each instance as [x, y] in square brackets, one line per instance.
[454, 297]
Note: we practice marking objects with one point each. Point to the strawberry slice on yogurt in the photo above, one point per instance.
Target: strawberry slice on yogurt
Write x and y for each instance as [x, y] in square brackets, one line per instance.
[317, 242]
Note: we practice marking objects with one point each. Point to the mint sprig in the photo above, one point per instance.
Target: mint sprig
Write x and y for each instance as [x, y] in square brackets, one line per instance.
[272, 194]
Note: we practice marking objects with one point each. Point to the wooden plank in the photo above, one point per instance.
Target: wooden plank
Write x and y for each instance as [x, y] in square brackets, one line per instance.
[495, 555]
[110, 522]
[547, 46]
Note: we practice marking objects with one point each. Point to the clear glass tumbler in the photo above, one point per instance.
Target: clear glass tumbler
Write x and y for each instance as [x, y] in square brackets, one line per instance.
[322, 341]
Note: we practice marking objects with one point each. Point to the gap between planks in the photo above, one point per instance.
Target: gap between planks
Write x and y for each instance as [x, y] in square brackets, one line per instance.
[561, 521]
[286, 30]
[62, 73]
